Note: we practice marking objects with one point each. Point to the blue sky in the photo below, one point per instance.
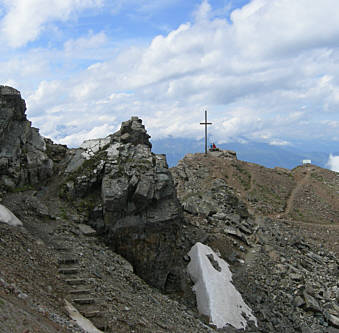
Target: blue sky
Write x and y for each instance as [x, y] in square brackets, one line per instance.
[266, 70]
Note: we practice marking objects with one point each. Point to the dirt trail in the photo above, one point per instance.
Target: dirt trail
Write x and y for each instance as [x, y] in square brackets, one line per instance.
[291, 198]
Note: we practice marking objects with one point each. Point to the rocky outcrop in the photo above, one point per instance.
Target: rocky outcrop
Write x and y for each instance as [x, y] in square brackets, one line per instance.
[137, 207]
[24, 153]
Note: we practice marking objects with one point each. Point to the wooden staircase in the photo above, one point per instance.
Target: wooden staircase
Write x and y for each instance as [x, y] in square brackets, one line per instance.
[80, 292]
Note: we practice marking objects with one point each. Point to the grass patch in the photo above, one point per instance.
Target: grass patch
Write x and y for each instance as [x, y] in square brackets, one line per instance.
[317, 177]
[63, 213]
[22, 189]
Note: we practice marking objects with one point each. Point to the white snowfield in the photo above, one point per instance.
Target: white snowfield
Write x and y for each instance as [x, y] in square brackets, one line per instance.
[216, 296]
[6, 216]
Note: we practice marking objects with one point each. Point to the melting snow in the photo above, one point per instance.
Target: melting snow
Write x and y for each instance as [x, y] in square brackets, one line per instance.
[83, 322]
[6, 216]
[216, 296]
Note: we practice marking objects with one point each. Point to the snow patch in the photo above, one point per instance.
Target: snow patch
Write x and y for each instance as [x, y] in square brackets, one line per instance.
[6, 216]
[83, 322]
[216, 296]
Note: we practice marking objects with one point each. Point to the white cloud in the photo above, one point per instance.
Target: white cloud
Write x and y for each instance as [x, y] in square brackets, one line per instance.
[25, 19]
[203, 11]
[278, 142]
[333, 163]
[265, 27]
[86, 44]
[45, 94]
[269, 74]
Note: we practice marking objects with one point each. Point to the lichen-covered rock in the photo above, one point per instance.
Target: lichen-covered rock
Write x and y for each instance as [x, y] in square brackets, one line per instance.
[24, 153]
[140, 213]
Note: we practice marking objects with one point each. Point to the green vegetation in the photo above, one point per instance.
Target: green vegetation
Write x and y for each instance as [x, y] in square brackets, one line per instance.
[87, 204]
[63, 213]
[317, 177]
[21, 189]
[244, 177]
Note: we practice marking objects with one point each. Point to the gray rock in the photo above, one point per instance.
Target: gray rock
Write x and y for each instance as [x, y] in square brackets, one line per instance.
[76, 160]
[311, 303]
[133, 131]
[24, 157]
[298, 301]
[332, 319]
[306, 330]
[86, 230]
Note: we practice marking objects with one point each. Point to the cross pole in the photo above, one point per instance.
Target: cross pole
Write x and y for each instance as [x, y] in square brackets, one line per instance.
[205, 123]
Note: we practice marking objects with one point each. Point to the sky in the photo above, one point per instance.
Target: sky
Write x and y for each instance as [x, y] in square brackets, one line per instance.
[266, 70]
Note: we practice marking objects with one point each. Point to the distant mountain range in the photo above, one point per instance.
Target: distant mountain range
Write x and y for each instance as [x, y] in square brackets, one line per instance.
[261, 153]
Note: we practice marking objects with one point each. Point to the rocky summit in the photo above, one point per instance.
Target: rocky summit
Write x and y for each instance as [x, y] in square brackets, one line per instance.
[98, 238]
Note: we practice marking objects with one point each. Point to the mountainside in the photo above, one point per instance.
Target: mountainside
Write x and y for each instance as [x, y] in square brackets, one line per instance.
[284, 249]
[108, 228]
[307, 193]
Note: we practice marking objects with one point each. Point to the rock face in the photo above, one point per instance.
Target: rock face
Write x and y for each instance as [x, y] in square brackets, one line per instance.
[138, 210]
[24, 159]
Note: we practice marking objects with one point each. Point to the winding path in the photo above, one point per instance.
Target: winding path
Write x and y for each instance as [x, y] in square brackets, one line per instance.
[291, 198]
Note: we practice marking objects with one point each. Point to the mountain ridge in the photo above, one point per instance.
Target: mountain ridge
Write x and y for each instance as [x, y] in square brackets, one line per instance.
[100, 220]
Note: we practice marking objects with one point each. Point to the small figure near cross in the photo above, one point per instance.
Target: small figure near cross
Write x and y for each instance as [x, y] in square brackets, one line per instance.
[205, 123]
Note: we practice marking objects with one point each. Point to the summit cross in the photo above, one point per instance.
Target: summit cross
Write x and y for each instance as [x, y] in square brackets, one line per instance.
[205, 123]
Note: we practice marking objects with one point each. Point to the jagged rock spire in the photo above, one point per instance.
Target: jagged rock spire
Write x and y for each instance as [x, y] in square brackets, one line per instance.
[134, 132]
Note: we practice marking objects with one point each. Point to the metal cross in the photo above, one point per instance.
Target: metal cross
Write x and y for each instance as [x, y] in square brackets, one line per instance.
[205, 123]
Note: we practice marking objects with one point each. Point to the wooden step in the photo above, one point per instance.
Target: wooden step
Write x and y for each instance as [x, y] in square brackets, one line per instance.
[67, 261]
[62, 248]
[80, 291]
[76, 282]
[92, 314]
[88, 300]
[101, 325]
[71, 270]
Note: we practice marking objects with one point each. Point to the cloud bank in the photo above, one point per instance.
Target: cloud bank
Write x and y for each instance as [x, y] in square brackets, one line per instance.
[333, 163]
[267, 72]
